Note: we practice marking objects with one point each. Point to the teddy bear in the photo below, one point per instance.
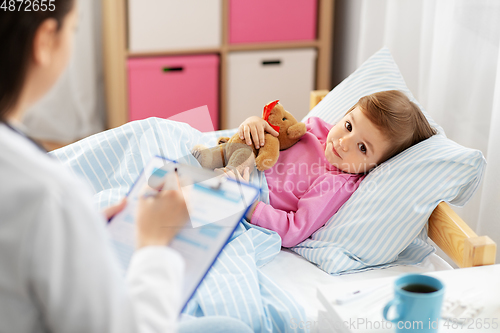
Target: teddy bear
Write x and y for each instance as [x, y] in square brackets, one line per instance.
[235, 153]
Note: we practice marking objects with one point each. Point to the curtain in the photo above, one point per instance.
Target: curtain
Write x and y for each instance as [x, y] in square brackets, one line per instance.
[448, 53]
[74, 108]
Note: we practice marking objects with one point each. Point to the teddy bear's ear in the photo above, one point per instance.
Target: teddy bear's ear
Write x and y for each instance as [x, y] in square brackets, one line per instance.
[296, 131]
[268, 108]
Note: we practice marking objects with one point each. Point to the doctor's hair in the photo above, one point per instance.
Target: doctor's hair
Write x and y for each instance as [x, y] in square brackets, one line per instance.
[17, 33]
[399, 120]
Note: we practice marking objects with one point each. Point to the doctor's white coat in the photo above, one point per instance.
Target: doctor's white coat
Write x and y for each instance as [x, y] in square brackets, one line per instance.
[58, 272]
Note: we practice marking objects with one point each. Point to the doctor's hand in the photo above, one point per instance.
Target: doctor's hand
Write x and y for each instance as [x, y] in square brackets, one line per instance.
[254, 128]
[160, 217]
[111, 211]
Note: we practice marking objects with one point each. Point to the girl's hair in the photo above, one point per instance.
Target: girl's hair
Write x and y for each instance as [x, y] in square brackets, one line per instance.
[17, 32]
[400, 120]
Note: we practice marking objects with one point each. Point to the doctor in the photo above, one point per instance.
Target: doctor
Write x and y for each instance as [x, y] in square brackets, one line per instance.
[58, 272]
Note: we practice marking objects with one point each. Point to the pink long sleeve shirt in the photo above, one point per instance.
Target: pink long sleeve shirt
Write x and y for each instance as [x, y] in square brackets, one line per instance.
[304, 189]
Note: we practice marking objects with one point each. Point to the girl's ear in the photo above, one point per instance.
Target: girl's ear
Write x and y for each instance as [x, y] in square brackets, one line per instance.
[45, 42]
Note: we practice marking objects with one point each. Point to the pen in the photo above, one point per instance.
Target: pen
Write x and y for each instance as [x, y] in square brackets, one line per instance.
[354, 295]
[170, 184]
[162, 180]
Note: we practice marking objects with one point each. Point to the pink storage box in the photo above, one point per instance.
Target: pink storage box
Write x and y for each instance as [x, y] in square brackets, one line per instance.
[272, 20]
[167, 86]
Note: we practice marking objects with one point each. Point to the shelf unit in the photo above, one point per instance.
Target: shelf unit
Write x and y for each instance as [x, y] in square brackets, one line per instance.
[116, 53]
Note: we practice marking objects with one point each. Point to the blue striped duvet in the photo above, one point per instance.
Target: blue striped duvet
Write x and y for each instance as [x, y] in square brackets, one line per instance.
[111, 161]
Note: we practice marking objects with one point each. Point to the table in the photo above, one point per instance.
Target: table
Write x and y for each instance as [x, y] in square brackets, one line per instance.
[476, 286]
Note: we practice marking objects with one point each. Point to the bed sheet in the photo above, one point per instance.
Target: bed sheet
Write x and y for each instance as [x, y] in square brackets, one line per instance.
[301, 278]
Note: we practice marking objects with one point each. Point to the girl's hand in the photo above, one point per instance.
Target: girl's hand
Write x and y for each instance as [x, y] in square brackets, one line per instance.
[160, 217]
[236, 175]
[253, 129]
[111, 211]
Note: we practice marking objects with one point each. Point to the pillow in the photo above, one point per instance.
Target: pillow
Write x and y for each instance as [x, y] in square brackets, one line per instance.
[384, 222]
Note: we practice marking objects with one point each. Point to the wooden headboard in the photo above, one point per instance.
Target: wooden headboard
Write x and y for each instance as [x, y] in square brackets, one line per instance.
[448, 231]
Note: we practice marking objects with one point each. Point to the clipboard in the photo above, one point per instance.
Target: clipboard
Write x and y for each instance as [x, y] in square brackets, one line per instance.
[215, 203]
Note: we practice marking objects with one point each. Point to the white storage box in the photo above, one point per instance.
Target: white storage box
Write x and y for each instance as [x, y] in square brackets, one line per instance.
[160, 25]
[256, 78]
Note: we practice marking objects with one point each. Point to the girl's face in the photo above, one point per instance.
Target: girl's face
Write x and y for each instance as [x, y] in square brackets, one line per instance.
[354, 144]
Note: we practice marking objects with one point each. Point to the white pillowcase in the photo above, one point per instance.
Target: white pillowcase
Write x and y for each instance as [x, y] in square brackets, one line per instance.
[384, 221]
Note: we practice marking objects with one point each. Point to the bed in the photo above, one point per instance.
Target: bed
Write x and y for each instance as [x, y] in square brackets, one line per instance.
[255, 279]
[446, 229]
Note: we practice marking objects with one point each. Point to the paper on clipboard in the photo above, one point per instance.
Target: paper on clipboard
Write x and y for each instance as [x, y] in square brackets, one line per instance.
[215, 204]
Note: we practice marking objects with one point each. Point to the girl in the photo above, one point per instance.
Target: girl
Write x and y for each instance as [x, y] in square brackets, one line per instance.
[59, 272]
[313, 178]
